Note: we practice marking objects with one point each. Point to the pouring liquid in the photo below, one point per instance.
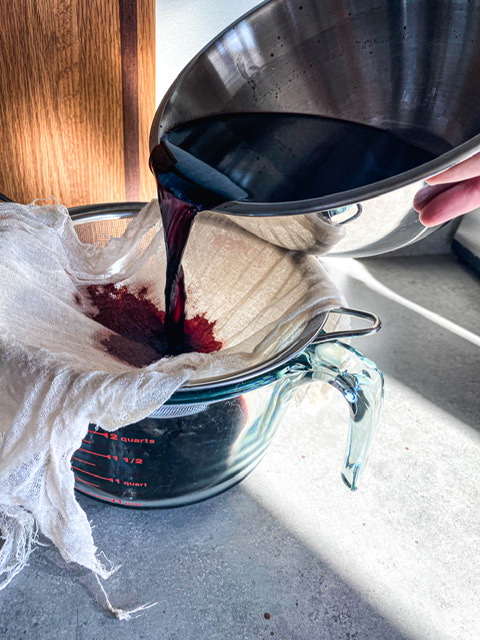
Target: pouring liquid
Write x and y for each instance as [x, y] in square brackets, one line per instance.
[262, 157]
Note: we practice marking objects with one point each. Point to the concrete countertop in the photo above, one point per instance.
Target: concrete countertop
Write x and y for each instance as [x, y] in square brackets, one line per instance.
[290, 553]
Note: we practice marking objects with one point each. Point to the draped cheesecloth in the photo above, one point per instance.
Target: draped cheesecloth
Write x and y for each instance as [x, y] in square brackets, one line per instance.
[56, 377]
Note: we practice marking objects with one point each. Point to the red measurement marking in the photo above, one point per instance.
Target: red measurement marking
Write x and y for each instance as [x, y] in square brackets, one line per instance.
[92, 474]
[94, 495]
[133, 460]
[87, 441]
[138, 440]
[84, 461]
[89, 483]
[94, 453]
[98, 433]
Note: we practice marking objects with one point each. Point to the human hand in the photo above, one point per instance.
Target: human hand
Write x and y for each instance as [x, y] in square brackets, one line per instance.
[450, 194]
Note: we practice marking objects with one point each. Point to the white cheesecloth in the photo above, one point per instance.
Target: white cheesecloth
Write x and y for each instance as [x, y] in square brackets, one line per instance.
[56, 377]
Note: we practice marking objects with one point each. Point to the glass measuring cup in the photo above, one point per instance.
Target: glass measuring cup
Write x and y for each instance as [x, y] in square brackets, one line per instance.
[208, 438]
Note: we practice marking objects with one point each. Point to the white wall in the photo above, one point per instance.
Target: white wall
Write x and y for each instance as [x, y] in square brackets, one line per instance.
[186, 26]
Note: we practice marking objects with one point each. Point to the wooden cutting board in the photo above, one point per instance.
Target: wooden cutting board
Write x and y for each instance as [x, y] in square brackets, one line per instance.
[77, 97]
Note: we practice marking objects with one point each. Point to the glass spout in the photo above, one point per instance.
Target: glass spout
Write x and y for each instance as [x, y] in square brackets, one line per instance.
[361, 384]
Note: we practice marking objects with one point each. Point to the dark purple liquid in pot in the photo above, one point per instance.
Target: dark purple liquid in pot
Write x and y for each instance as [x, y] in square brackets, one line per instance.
[277, 157]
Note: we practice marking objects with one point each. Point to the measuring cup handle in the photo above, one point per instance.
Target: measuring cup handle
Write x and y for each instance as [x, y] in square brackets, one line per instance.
[361, 384]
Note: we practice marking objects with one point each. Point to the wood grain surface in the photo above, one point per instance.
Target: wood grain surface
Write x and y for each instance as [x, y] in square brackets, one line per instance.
[71, 99]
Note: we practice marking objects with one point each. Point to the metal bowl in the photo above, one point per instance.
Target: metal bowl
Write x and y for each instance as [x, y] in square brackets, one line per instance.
[410, 67]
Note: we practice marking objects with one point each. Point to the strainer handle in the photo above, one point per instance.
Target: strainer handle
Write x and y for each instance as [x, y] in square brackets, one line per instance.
[361, 384]
[351, 333]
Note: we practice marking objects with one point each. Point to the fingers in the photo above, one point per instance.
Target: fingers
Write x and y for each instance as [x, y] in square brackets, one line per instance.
[442, 202]
[426, 194]
[469, 168]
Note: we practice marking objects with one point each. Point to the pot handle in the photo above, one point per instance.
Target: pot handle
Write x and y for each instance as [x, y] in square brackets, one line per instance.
[351, 333]
[362, 385]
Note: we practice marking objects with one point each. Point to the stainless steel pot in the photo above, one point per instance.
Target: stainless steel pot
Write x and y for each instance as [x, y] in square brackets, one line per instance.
[213, 432]
[411, 67]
